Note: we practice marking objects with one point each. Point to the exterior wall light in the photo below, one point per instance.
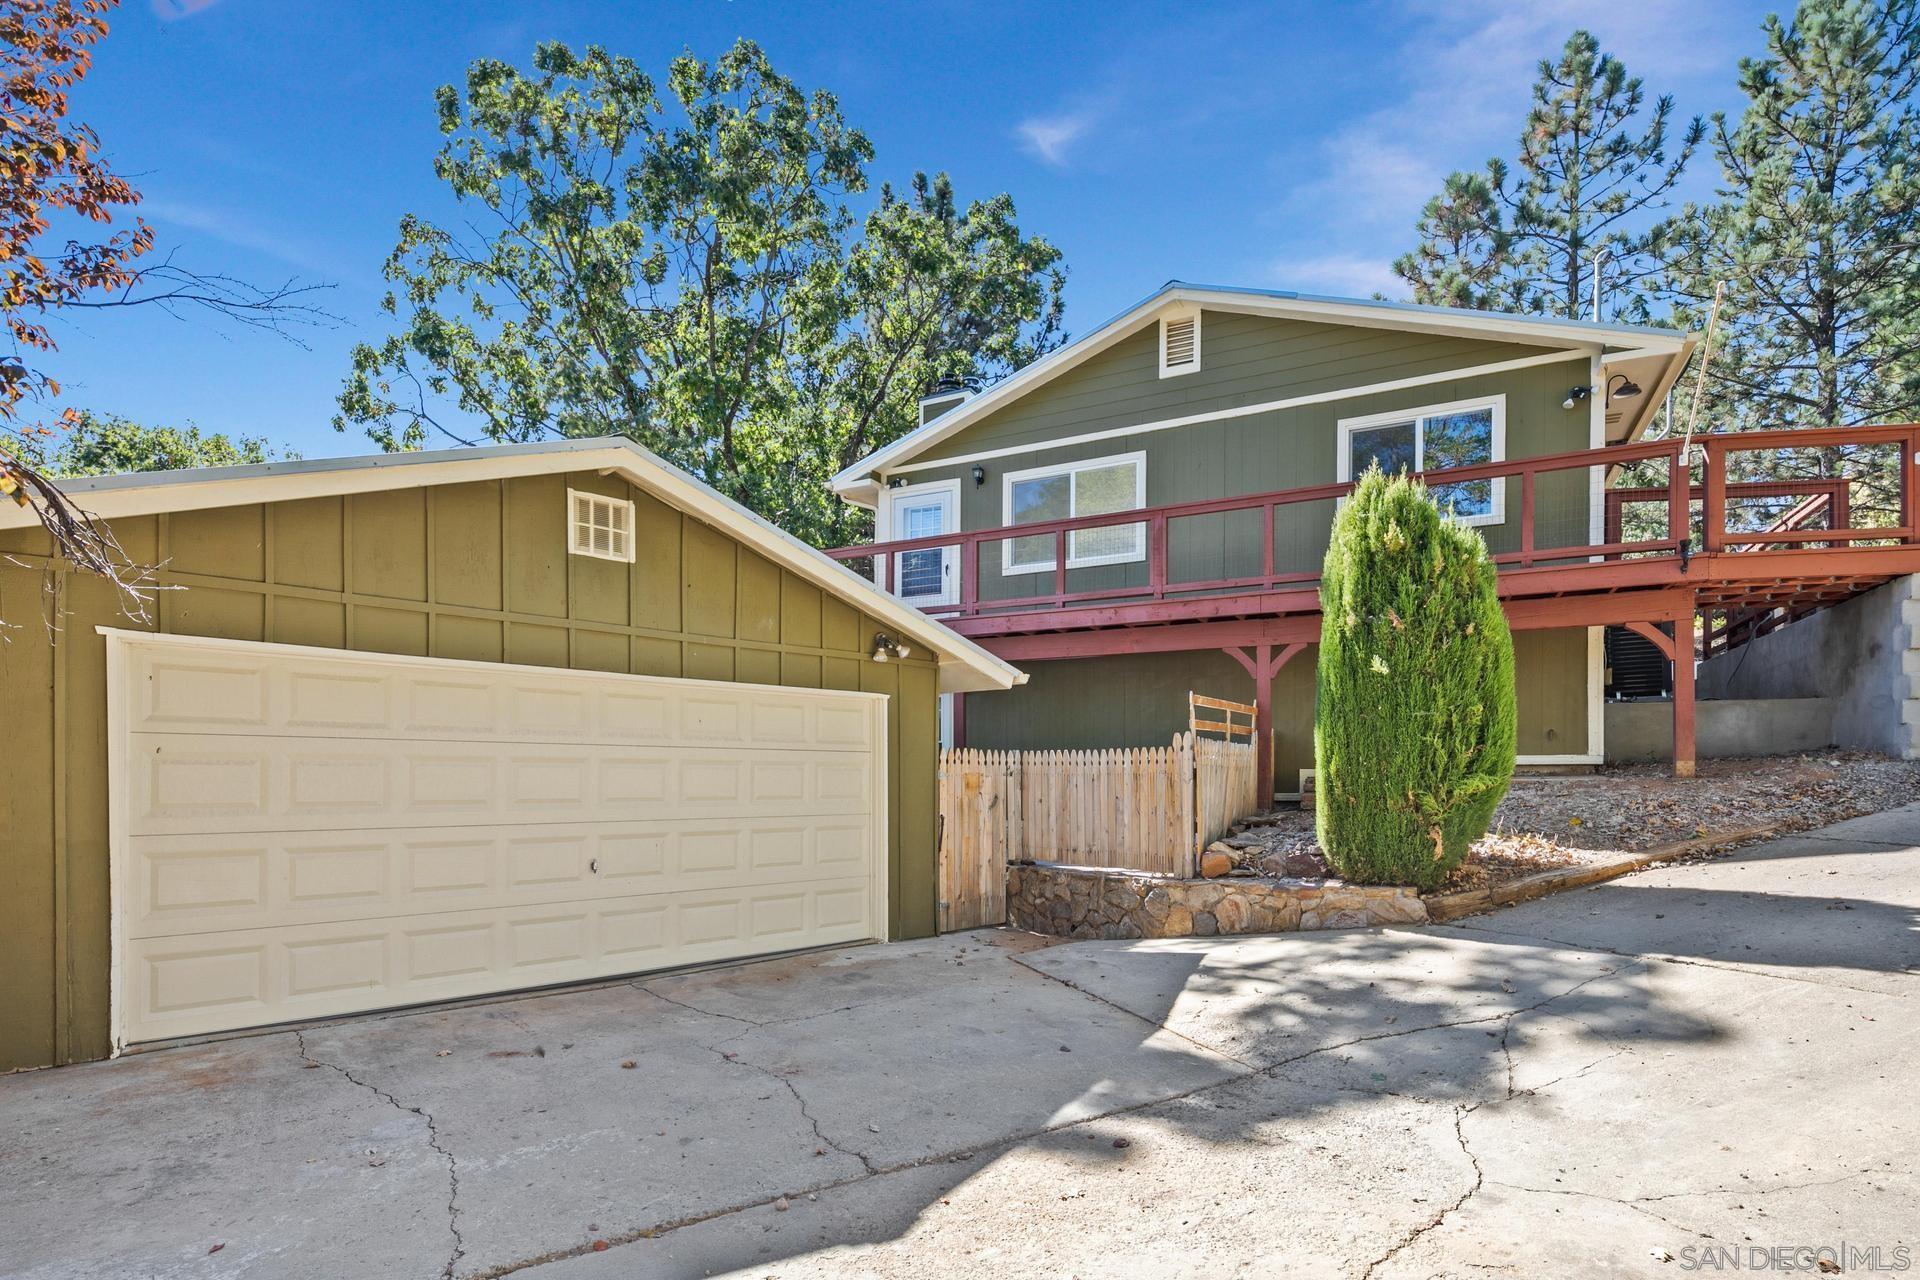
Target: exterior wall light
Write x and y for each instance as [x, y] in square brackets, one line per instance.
[979, 475]
[1627, 389]
[1575, 395]
[886, 647]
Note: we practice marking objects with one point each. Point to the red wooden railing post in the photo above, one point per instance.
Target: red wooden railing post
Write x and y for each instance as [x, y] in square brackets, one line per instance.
[1713, 504]
[1157, 555]
[1910, 484]
[1679, 497]
[1059, 568]
[1266, 543]
[970, 577]
[1526, 518]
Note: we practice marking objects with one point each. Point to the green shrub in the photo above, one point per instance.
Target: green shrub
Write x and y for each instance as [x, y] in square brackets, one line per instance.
[1414, 729]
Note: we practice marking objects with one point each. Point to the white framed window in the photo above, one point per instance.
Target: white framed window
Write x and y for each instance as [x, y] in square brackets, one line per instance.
[1432, 438]
[599, 526]
[1179, 343]
[1095, 487]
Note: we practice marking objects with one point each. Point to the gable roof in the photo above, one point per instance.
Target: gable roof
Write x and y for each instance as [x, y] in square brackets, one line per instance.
[964, 666]
[1543, 331]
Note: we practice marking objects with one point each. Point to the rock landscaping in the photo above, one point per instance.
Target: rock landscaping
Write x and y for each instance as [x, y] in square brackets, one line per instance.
[1549, 834]
[1590, 820]
[1101, 902]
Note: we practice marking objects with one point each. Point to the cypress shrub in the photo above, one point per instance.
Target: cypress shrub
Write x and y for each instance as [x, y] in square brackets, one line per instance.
[1414, 728]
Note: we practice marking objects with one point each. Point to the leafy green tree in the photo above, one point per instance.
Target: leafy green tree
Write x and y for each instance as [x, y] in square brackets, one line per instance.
[1593, 166]
[1414, 727]
[1816, 231]
[685, 269]
[97, 444]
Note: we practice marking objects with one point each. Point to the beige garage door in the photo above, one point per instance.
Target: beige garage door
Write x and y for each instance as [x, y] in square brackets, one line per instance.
[301, 832]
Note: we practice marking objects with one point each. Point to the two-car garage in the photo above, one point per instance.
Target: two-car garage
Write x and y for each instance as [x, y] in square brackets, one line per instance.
[302, 833]
[397, 730]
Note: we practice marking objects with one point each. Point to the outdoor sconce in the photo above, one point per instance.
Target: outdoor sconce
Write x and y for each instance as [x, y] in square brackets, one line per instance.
[885, 646]
[979, 475]
[1627, 389]
[1575, 395]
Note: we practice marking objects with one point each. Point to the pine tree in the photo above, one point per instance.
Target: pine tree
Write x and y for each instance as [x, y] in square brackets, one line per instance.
[1414, 728]
[1464, 251]
[1593, 166]
[1816, 231]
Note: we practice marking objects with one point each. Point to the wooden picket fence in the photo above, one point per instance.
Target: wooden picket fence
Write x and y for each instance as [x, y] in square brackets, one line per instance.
[1140, 808]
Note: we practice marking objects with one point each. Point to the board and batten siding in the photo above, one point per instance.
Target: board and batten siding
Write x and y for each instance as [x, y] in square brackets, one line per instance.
[477, 571]
[1129, 700]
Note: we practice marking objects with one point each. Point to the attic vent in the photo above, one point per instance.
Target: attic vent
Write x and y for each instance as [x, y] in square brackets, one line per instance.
[600, 527]
[1179, 345]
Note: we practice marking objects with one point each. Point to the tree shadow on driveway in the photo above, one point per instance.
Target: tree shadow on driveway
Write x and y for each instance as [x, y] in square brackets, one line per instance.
[897, 1084]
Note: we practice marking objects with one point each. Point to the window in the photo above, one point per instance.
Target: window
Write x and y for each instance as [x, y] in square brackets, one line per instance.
[600, 527]
[1432, 439]
[1091, 488]
[1179, 344]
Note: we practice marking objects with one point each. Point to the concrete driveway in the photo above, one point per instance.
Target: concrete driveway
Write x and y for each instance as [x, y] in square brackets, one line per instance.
[1596, 1084]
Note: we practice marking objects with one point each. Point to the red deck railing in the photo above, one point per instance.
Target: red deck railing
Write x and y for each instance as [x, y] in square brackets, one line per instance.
[1705, 502]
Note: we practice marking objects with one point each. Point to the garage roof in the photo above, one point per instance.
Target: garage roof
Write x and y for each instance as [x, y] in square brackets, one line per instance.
[964, 666]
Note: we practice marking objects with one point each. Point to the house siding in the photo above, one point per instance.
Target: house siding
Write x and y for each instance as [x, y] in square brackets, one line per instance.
[1251, 360]
[474, 571]
[1244, 360]
[1132, 700]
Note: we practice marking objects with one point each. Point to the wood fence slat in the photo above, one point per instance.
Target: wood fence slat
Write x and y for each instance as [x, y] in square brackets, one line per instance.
[1150, 809]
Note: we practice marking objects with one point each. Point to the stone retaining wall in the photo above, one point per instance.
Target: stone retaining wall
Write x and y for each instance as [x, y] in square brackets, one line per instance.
[1101, 902]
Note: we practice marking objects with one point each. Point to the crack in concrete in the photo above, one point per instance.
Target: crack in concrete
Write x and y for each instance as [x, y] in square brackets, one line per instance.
[801, 1102]
[1120, 1008]
[1460, 1114]
[1009, 1141]
[433, 1141]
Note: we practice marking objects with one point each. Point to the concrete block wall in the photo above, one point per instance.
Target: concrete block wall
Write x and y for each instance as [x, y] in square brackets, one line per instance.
[1863, 656]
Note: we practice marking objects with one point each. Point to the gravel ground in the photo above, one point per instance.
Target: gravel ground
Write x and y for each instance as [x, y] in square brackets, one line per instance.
[1548, 822]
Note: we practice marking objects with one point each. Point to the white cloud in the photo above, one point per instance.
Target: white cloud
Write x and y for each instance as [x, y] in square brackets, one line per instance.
[1344, 275]
[241, 233]
[1453, 91]
[1048, 137]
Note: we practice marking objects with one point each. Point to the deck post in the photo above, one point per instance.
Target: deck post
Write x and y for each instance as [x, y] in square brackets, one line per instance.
[1263, 664]
[1683, 740]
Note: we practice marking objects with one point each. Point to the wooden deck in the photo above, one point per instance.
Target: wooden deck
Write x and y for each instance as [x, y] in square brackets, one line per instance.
[1685, 542]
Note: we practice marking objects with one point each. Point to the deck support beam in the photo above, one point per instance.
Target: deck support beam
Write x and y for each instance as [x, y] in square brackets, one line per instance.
[1678, 649]
[1263, 664]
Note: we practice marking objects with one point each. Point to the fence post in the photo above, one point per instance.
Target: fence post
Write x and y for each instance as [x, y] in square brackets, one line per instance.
[1189, 805]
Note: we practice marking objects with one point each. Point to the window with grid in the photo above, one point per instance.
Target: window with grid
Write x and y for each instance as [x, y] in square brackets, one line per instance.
[602, 527]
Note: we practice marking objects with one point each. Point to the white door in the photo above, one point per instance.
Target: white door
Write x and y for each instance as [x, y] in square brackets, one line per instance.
[305, 832]
[926, 579]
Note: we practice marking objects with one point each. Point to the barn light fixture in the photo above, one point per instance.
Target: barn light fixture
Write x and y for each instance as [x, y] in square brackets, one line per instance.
[886, 647]
[1627, 389]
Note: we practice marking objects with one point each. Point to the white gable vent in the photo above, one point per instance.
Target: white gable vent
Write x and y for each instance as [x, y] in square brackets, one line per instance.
[601, 527]
[1179, 344]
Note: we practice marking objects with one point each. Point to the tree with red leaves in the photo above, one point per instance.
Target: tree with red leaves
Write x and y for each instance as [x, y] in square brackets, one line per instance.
[59, 201]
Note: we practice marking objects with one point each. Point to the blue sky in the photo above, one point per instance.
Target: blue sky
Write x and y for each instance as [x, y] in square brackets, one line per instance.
[1275, 145]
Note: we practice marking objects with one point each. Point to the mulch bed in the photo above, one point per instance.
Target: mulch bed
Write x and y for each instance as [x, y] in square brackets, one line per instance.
[1552, 823]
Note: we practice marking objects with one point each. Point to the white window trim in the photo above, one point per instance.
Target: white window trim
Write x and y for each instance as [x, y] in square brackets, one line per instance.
[1007, 564]
[574, 548]
[1497, 403]
[1184, 313]
[949, 555]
